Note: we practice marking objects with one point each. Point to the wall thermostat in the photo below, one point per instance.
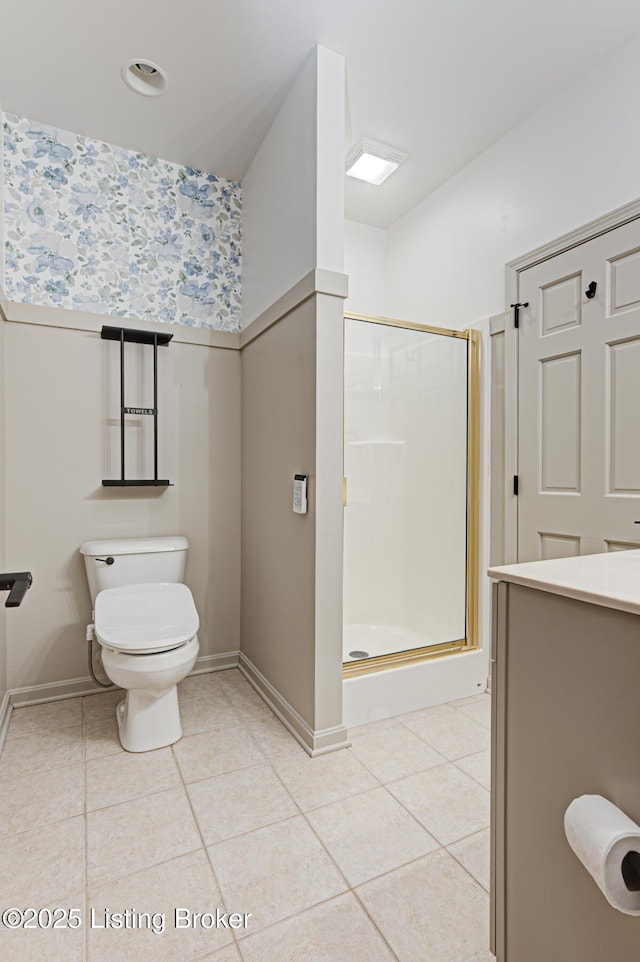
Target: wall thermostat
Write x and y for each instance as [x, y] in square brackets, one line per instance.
[300, 493]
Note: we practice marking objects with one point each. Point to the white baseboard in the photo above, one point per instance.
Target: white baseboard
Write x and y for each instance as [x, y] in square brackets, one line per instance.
[6, 709]
[220, 662]
[73, 687]
[314, 742]
[54, 691]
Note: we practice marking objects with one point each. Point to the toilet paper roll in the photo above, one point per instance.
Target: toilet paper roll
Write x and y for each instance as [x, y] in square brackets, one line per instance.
[607, 843]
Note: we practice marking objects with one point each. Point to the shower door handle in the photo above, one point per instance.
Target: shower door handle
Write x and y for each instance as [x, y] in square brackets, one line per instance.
[344, 492]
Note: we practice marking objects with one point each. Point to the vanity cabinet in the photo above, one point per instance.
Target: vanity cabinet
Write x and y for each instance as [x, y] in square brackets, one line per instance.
[566, 722]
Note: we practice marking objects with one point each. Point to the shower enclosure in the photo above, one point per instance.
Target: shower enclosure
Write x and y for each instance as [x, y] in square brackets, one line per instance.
[411, 471]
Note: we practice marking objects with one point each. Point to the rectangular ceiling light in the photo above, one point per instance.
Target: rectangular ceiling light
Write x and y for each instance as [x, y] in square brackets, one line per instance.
[373, 162]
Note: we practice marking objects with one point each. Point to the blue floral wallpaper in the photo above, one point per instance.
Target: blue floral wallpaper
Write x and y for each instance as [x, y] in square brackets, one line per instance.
[89, 226]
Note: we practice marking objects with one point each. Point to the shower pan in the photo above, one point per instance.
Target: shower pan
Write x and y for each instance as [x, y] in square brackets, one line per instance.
[411, 491]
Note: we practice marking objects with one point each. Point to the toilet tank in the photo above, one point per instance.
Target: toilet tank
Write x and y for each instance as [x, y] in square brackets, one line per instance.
[135, 561]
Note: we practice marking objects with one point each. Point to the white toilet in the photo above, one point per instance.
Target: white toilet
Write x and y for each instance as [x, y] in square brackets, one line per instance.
[146, 623]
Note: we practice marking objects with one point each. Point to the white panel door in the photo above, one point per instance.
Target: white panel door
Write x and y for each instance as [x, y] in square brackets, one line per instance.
[579, 400]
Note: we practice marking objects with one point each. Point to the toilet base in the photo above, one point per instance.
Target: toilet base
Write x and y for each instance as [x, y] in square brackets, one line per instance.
[147, 721]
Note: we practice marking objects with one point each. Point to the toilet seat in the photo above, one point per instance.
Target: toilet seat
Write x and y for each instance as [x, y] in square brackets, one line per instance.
[145, 619]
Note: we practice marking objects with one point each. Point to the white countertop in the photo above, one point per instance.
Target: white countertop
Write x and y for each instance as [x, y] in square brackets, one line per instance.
[611, 579]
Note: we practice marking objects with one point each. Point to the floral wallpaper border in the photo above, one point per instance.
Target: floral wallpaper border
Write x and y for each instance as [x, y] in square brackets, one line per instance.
[90, 226]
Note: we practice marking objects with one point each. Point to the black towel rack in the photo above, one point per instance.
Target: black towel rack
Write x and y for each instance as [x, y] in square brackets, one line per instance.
[127, 335]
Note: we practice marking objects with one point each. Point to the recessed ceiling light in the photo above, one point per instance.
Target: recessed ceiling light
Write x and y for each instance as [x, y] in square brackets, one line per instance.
[145, 77]
[373, 162]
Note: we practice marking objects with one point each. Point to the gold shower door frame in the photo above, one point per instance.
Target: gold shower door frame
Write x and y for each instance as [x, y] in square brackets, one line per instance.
[470, 641]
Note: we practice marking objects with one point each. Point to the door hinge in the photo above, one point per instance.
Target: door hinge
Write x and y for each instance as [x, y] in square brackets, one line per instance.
[515, 484]
[516, 311]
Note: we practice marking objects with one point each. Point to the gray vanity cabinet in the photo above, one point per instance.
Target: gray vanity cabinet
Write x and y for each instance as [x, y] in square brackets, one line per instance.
[566, 722]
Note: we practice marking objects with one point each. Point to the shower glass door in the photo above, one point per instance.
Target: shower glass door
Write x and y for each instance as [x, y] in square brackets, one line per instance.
[410, 465]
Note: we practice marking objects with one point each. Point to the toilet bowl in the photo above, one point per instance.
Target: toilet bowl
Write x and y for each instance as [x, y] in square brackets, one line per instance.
[149, 643]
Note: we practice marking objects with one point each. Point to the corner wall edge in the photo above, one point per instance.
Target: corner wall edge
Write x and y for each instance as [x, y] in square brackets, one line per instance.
[314, 741]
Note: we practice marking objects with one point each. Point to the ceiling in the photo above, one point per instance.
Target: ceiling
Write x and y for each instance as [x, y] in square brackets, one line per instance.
[440, 79]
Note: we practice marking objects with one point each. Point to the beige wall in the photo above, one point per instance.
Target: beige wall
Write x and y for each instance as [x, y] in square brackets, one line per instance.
[3, 632]
[3, 635]
[291, 622]
[60, 390]
[62, 430]
[278, 546]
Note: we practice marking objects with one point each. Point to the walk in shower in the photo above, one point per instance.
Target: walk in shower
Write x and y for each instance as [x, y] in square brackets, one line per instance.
[411, 471]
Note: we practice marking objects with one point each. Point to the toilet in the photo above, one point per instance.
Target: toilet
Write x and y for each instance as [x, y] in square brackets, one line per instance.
[146, 623]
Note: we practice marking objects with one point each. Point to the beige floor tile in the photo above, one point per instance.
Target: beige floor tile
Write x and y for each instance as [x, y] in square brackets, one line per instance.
[229, 954]
[101, 706]
[45, 718]
[195, 686]
[274, 872]
[186, 882]
[479, 711]
[369, 834]
[36, 945]
[429, 911]
[35, 753]
[243, 696]
[273, 738]
[473, 854]
[470, 700]
[391, 751]
[448, 730]
[336, 931]
[135, 835]
[42, 864]
[202, 756]
[327, 778]
[239, 802]
[247, 703]
[478, 766]
[278, 864]
[101, 738]
[233, 678]
[449, 804]
[206, 713]
[30, 801]
[373, 726]
[120, 777]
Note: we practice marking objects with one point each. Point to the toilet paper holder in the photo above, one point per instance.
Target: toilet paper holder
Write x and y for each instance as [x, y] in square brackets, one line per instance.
[607, 843]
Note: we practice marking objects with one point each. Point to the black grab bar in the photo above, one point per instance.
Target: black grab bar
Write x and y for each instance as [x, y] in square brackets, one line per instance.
[17, 584]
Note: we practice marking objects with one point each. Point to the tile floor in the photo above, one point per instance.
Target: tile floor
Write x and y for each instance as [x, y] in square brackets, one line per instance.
[375, 853]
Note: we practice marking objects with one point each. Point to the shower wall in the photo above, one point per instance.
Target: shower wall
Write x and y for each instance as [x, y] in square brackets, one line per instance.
[405, 461]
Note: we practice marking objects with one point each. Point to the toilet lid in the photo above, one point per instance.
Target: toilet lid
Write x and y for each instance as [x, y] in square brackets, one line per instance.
[145, 618]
